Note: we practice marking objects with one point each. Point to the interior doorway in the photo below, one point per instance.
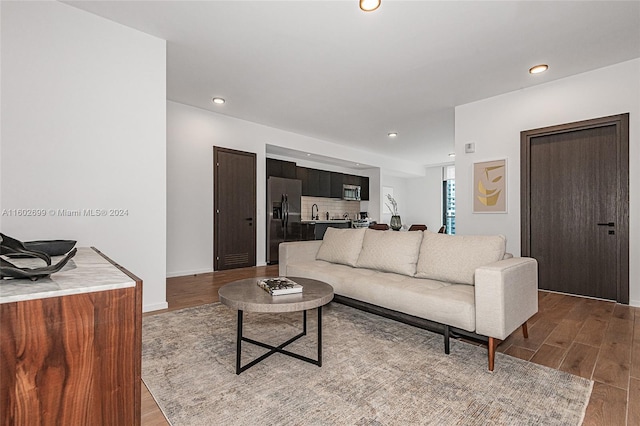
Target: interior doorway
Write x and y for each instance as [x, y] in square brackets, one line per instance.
[234, 208]
[575, 206]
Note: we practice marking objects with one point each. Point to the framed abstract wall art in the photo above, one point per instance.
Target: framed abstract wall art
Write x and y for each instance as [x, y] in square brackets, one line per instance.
[490, 186]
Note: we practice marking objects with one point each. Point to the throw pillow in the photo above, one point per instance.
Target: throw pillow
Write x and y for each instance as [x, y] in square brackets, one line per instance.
[454, 258]
[390, 251]
[341, 246]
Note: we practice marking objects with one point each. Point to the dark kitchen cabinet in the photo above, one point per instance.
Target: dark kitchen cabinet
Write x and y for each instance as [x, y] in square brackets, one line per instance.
[321, 228]
[323, 178]
[351, 180]
[321, 183]
[315, 183]
[364, 188]
[308, 231]
[280, 168]
[302, 173]
[336, 184]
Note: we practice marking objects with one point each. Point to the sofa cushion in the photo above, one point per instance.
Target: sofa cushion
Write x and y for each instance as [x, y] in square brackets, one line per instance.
[390, 251]
[454, 258]
[341, 246]
[433, 300]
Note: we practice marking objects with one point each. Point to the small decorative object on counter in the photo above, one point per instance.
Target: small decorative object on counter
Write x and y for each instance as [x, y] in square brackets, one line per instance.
[327, 215]
[396, 222]
[10, 247]
[51, 247]
[279, 286]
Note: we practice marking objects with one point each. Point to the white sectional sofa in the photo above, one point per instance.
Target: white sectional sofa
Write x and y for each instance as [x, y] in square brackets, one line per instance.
[465, 285]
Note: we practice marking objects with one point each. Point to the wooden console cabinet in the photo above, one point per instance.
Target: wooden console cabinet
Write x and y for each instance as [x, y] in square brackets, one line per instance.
[72, 356]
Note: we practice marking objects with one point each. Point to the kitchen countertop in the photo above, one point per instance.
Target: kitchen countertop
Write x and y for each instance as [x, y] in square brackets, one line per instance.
[86, 272]
[328, 221]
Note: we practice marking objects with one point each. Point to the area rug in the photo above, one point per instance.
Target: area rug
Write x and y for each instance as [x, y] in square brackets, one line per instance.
[375, 371]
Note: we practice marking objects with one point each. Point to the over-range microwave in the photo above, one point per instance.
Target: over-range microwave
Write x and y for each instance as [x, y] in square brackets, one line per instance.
[351, 192]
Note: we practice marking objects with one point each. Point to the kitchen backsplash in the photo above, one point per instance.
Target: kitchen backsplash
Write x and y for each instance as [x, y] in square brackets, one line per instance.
[335, 206]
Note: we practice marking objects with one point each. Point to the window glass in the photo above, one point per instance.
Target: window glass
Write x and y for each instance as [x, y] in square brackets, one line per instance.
[449, 198]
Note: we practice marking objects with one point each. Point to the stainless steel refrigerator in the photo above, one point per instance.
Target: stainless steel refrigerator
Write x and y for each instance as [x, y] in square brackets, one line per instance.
[283, 214]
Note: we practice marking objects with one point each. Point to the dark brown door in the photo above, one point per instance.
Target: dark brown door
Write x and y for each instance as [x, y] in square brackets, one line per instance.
[575, 206]
[234, 208]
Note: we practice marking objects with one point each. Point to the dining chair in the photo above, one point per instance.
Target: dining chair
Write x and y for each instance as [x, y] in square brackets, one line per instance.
[418, 227]
[442, 229]
[379, 226]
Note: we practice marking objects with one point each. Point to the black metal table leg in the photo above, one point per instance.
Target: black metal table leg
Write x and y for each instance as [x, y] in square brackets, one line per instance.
[319, 336]
[304, 322]
[280, 348]
[446, 339]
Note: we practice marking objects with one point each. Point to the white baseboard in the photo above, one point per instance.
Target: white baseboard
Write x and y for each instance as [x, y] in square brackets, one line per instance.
[155, 307]
[185, 273]
[199, 271]
[634, 303]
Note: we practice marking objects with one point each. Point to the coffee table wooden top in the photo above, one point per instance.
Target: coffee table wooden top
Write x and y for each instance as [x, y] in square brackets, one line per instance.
[246, 295]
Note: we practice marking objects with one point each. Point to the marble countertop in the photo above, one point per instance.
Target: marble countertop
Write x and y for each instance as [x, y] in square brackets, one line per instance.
[86, 272]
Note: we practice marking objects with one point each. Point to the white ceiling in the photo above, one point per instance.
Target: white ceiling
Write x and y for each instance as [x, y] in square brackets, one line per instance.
[327, 70]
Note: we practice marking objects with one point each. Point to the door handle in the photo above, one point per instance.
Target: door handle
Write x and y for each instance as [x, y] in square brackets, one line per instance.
[286, 201]
[607, 224]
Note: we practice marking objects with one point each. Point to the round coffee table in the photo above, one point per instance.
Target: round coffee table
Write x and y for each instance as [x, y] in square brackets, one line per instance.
[246, 295]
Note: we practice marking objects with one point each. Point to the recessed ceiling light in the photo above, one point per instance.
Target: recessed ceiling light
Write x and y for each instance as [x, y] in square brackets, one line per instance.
[392, 134]
[308, 155]
[369, 5]
[452, 154]
[218, 101]
[357, 164]
[538, 69]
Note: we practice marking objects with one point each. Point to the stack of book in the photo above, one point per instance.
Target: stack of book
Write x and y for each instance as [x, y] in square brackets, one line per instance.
[279, 286]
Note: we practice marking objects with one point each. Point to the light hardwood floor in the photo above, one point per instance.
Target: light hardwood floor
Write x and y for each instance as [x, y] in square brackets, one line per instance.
[595, 339]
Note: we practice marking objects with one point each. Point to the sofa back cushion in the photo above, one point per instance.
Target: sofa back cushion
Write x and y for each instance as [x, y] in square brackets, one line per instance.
[454, 258]
[341, 246]
[390, 251]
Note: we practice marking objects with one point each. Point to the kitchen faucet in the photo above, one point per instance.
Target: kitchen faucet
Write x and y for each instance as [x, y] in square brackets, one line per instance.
[316, 216]
[346, 216]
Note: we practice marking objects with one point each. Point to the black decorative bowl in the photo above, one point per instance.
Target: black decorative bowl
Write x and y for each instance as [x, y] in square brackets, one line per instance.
[51, 247]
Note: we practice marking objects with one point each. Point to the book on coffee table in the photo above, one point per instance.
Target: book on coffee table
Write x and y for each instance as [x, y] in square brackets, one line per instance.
[279, 286]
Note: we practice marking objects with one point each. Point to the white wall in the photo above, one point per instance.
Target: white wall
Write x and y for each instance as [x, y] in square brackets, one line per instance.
[424, 201]
[83, 127]
[419, 199]
[191, 135]
[495, 124]
[400, 194]
[373, 206]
